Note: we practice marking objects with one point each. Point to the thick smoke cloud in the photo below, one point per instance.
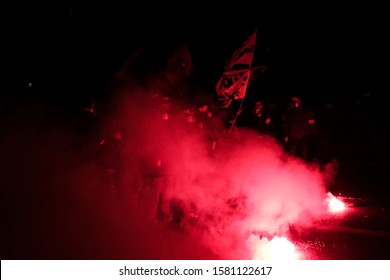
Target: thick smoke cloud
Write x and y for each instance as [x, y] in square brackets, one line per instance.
[57, 204]
[247, 185]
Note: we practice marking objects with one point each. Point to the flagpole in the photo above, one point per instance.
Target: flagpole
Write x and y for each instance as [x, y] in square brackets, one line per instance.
[242, 101]
[238, 111]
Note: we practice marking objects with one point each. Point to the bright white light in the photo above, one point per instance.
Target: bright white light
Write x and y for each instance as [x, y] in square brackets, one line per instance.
[334, 204]
[279, 248]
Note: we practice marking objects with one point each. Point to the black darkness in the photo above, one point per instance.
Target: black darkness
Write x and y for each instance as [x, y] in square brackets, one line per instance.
[319, 50]
[332, 47]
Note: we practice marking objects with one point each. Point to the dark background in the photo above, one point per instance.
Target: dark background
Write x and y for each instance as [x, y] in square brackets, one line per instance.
[322, 51]
[319, 50]
[336, 48]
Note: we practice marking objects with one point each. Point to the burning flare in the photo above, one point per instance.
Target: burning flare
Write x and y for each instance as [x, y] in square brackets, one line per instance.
[334, 204]
[278, 248]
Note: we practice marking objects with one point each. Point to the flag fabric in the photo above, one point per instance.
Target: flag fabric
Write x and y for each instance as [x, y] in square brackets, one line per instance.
[179, 64]
[232, 85]
[244, 55]
[238, 73]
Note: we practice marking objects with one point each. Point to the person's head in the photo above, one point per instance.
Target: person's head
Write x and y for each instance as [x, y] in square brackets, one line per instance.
[295, 101]
[203, 108]
[258, 106]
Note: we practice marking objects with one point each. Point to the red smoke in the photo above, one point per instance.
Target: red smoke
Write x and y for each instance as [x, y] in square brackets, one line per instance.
[61, 207]
[245, 186]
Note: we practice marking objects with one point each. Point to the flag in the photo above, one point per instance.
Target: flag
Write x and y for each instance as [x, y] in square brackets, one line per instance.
[232, 85]
[244, 55]
[238, 72]
[179, 64]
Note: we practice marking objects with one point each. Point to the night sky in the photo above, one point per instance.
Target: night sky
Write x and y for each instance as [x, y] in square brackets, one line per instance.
[331, 47]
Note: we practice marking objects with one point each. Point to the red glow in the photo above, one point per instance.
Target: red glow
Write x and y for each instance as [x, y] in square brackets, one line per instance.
[278, 248]
[334, 204]
[240, 183]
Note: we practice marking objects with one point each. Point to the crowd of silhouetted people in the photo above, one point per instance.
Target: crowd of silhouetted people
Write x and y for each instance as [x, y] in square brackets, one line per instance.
[312, 133]
[301, 131]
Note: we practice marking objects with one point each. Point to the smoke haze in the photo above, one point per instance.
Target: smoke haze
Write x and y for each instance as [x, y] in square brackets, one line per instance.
[56, 204]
